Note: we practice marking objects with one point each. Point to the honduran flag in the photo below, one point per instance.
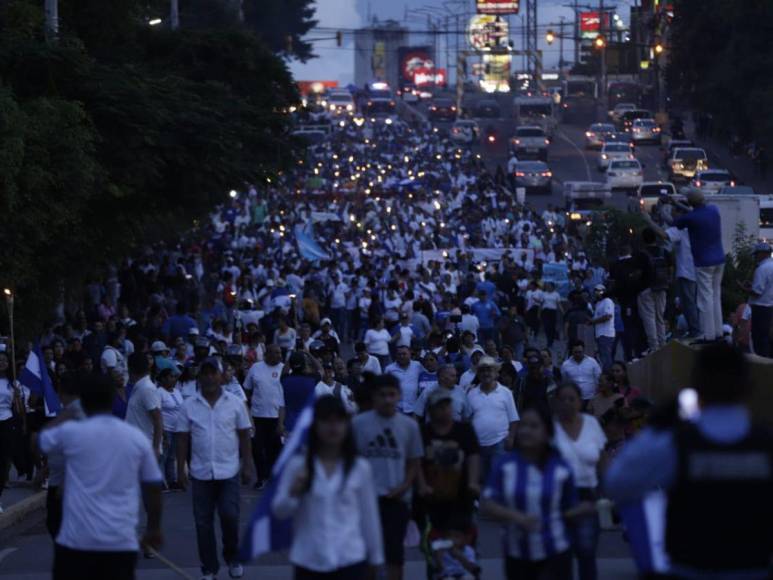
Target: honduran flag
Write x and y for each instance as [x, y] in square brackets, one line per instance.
[267, 533]
[35, 377]
[645, 525]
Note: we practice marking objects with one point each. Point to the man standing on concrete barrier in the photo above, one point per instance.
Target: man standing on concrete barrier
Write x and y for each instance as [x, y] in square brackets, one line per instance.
[761, 299]
[704, 224]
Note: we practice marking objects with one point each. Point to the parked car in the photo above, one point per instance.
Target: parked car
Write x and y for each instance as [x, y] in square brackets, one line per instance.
[487, 108]
[534, 175]
[442, 109]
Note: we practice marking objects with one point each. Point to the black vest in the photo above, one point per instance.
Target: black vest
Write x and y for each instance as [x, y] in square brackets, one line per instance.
[720, 510]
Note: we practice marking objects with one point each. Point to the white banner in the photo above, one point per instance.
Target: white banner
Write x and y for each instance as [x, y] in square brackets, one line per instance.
[479, 254]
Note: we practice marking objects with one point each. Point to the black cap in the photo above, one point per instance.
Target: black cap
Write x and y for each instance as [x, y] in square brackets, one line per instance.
[212, 362]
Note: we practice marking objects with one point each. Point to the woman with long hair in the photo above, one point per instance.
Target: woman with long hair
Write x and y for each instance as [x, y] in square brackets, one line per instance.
[330, 494]
[532, 492]
[619, 375]
[10, 401]
[581, 441]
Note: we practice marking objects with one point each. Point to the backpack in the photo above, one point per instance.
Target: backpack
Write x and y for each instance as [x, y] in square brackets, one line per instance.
[659, 268]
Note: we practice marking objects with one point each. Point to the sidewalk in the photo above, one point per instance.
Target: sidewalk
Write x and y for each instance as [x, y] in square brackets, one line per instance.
[742, 167]
[20, 498]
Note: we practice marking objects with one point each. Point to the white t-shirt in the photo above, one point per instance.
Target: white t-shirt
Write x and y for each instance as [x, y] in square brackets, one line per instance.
[406, 335]
[533, 298]
[492, 413]
[112, 359]
[106, 459]
[377, 341]
[171, 401]
[372, 365]
[583, 454]
[144, 398]
[605, 307]
[265, 382]
[550, 300]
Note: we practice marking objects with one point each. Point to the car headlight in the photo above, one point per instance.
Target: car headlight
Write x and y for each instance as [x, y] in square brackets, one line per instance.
[349, 107]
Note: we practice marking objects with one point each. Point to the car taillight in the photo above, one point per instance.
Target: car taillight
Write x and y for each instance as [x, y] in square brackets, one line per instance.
[492, 138]
[656, 129]
[588, 134]
[732, 184]
[433, 108]
[519, 174]
[697, 183]
[547, 141]
[453, 108]
[547, 174]
[517, 141]
[604, 156]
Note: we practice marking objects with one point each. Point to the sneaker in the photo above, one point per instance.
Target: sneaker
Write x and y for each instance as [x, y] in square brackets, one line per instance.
[235, 570]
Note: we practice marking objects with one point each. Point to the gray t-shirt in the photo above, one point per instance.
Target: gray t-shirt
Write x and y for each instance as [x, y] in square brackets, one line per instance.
[387, 443]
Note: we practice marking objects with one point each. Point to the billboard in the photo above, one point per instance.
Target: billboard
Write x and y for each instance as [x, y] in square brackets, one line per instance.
[425, 77]
[411, 59]
[497, 6]
[486, 32]
[590, 24]
[496, 76]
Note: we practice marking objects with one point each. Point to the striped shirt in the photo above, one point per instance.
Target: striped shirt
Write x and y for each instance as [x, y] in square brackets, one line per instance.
[544, 492]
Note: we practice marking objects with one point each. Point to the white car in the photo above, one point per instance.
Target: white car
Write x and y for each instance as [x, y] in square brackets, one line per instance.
[710, 181]
[645, 130]
[619, 109]
[624, 174]
[613, 151]
[340, 104]
[597, 133]
[465, 131]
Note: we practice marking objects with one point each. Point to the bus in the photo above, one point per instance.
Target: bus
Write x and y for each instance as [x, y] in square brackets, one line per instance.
[537, 110]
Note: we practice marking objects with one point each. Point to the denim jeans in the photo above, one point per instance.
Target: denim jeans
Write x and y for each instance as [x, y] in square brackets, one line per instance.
[605, 345]
[687, 290]
[488, 456]
[167, 462]
[585, 538]
[221, 495]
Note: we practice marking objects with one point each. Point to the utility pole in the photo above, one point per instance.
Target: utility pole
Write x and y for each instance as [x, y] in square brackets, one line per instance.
[561, 46]
[531, 41]
[51, 8]
[576, 7]
[603, 34]
[174, 14]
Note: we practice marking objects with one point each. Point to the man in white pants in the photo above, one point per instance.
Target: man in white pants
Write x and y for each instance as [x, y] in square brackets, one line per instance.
[704, 225]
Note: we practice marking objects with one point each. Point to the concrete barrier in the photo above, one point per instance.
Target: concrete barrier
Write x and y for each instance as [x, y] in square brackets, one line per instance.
[15, 513]
[665, 372]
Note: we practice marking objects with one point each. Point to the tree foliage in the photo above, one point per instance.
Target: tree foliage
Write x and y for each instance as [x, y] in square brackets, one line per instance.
[107, 133]
[721, 62]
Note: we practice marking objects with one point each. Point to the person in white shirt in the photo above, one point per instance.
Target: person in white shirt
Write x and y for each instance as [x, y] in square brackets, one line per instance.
[331, 496]
[215, 426]
[264, 382]
[407, 372]
[330, 386]
[493, 415]
[171, 402]
[102, 488]
[112, 357]
[582, 370]
[603, 322]
[368, 362]
[144, 407]
[581, 441]
[404, 333]
[377, 342]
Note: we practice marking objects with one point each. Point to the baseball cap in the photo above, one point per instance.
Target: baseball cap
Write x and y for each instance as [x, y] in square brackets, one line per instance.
[438, 396]
[488, 361]
[600, 287]
[212, 362]
[325, 321]
[193, 330]
[158, 346]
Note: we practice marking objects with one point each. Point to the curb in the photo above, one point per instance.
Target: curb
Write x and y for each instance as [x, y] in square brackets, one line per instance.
[20, 510]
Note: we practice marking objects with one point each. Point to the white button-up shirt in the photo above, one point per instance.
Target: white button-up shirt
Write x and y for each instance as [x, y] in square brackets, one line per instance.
[336, 524]
[265, 382]
[409, 383]
[762, 284]
[585, 374]
[214, 437]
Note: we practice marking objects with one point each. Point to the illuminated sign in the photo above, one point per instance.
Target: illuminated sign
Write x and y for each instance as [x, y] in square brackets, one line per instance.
[413, 58]
[486, 32]
[423, 77]
[590, 24]
[307, 87]
[496, 78]
[497, 6]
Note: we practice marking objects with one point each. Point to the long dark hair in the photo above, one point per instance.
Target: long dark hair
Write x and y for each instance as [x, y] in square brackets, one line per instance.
[326, 407]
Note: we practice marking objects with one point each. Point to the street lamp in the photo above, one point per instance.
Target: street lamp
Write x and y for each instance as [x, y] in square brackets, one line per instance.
[550, 37]
[658, 48]
[600, 42]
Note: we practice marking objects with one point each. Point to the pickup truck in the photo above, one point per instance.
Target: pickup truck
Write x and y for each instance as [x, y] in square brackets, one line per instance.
[530, 142]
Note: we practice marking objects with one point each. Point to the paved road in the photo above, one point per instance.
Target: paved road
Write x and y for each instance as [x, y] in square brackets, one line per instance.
[28, 556]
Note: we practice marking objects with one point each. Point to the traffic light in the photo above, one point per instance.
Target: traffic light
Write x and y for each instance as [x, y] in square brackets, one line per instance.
[550, 37]
[600, 42]
[339, 38]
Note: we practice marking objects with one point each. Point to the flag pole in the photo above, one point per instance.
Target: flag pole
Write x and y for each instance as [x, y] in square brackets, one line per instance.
[9, 302]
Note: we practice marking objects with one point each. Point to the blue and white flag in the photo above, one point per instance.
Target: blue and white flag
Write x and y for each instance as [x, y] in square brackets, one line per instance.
[645, 525]
[308, 247]
[267, 533]
[35, 377]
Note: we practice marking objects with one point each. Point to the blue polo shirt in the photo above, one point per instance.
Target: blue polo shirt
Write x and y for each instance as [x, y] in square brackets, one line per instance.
[704, 224]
